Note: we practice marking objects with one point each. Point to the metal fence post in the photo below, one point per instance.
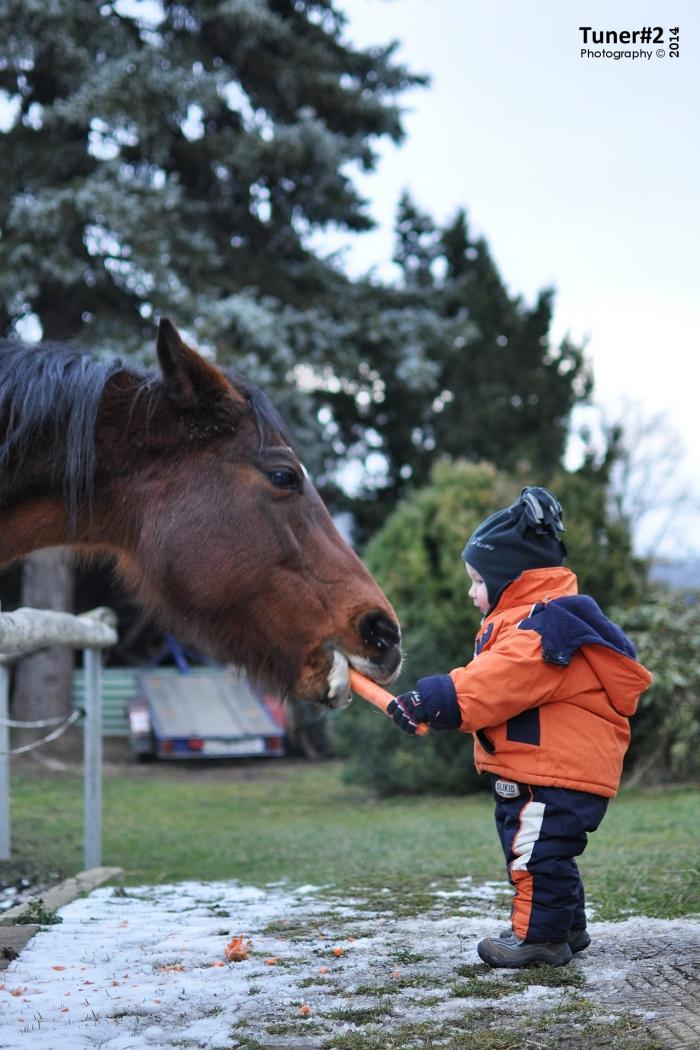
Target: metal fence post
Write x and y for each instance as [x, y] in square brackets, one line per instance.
[5, 837]
[92, 742]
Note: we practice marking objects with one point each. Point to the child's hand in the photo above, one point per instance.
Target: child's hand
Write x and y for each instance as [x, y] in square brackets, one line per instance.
[434, 701]
[407, 710]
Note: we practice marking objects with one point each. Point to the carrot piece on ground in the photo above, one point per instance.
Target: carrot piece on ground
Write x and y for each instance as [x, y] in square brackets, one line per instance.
[237, 949]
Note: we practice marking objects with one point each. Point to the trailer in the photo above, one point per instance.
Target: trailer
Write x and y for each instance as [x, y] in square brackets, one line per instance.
[206, 713]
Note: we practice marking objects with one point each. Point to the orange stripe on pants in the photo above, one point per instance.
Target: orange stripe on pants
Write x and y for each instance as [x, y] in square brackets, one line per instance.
[522, 903]
[529, 826]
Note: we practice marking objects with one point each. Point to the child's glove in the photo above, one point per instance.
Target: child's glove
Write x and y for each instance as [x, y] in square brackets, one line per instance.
[434, 701]
[407, 711]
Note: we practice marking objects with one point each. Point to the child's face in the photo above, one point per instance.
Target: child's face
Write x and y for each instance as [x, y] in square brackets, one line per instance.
[477, 591]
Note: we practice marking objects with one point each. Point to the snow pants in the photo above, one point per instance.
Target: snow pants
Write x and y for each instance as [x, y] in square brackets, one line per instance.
[542, 829]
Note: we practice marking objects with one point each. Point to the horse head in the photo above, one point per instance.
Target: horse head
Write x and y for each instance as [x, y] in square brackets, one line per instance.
[222, 534]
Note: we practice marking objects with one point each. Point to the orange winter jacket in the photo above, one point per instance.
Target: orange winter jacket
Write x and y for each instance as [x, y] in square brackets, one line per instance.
[550, 693]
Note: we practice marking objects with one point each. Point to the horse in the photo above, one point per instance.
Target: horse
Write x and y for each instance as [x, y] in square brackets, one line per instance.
[188, 477]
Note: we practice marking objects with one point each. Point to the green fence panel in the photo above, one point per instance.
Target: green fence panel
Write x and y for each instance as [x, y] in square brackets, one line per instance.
[119, 685]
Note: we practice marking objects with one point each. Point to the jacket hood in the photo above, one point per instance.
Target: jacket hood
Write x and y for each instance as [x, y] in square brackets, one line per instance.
[573, 623]
[623, 678]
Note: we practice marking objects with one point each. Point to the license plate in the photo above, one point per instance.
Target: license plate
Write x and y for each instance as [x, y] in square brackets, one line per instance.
[253, 746]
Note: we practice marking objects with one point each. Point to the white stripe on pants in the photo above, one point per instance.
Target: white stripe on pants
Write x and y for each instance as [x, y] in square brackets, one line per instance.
[531, 817]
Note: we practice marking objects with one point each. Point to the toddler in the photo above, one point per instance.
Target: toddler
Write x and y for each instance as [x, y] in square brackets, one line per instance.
[548, 698]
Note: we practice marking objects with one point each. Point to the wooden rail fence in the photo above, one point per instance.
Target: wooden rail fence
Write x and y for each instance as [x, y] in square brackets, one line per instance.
[27, 630]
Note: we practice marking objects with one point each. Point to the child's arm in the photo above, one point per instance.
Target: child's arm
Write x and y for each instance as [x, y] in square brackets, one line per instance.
[504, 681]
[495, 686]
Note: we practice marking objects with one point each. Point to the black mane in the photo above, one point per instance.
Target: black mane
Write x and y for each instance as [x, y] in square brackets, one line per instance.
[55, 390]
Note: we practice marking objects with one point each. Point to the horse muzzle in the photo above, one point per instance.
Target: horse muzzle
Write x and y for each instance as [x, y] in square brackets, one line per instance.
[379, 658]
[372, 647]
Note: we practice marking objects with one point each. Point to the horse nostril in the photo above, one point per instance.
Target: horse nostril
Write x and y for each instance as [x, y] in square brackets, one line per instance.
[378, 630]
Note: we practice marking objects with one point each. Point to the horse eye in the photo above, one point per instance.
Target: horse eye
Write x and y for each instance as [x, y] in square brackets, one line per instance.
[284, 478]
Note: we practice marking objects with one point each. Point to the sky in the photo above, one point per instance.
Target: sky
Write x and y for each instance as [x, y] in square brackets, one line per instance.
[581, 172]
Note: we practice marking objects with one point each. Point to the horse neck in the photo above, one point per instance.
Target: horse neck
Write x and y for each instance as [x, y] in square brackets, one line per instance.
[32, 525]
[35, 512]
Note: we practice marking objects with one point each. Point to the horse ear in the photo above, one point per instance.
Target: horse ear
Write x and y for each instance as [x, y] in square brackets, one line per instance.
[189, 380]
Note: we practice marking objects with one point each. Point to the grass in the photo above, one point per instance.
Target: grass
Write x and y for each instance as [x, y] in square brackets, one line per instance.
[37, 913]
[568, 1029]
[479, 981]
[303, 824]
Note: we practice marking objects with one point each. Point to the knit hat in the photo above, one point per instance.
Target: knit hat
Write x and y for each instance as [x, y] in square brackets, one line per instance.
[522, 536]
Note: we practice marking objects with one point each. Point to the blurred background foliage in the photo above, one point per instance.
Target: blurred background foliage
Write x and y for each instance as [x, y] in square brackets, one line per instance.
[666, 729]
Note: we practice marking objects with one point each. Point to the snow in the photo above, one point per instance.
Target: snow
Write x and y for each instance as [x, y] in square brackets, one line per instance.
[465, 887]
[145, 967]
[156, 955]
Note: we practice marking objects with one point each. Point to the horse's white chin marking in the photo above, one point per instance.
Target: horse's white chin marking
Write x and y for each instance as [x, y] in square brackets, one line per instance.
[366, 667]
[339, 694]
[338, 682]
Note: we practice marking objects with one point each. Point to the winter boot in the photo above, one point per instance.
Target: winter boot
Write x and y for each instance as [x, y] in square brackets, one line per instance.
[578, 939]
[510, 952]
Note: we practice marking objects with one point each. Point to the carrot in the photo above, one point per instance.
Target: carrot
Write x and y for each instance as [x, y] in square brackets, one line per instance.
[237, 949]
[378, 696]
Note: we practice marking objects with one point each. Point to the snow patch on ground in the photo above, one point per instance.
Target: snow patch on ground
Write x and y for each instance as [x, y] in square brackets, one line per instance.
[145, 967]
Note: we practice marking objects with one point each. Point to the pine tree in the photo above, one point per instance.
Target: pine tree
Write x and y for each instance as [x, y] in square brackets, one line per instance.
[417, 244]
[174, 158]
[172, 164]
[459, 368]
[513, 389]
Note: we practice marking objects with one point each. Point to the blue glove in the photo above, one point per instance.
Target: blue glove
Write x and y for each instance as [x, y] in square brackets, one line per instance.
[434, 701]
[407, 710]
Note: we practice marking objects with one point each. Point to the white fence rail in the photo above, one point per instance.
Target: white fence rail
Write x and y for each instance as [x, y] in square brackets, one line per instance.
[25, 631]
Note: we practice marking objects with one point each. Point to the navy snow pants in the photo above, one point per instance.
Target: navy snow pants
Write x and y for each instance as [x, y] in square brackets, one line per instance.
[542, 829]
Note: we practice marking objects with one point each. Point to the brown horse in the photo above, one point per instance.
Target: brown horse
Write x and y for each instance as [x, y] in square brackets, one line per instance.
[190, 478]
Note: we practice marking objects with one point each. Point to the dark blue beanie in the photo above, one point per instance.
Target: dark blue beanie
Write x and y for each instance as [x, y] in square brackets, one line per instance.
[522, 536]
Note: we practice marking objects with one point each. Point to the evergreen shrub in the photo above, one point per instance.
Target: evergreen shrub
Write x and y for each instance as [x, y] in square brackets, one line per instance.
[666, 729]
